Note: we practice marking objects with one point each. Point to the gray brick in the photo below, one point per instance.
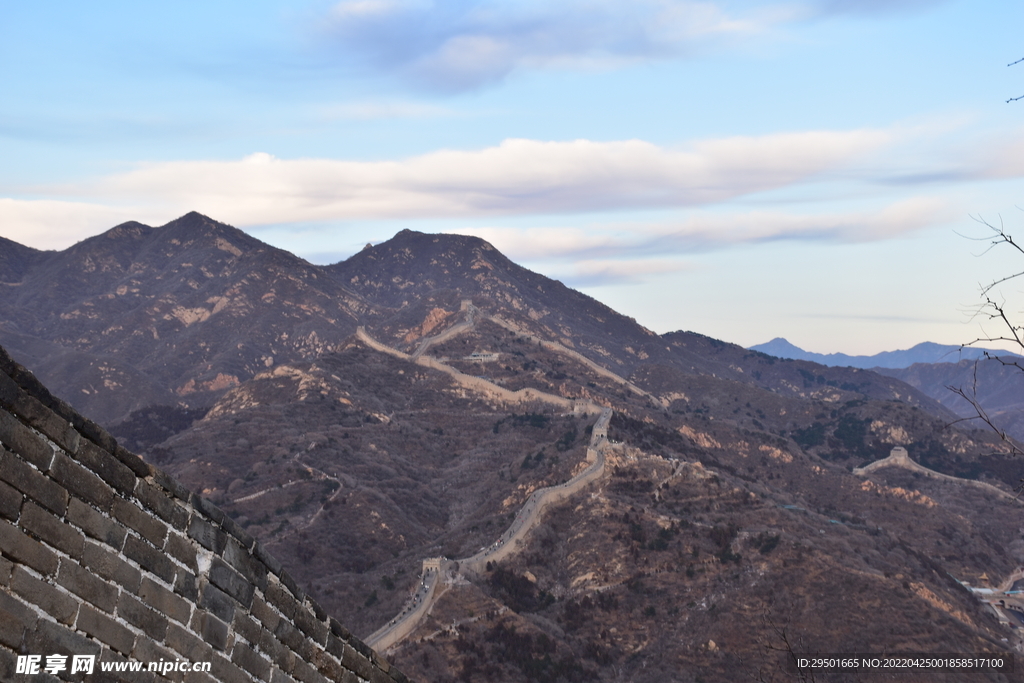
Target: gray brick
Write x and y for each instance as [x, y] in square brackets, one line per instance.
[335, 646]
[307, 674]
[213, 630]
[381, 663]
[380, 677]
[6, 567]
[281, 598]
[308, 624]
[107, 467]
[149, 558]
[81, 482]
[259, 551]
[182, 549]
[148, 651]
[168, 483]
[208, 534]
[18, 619]
[245, 657]
[328, 666]
[245, 564]
[278, 653]
[209, 510]
[292, 586]
[49, 637]
[57, 533]
[187, 644]
[164, 601]
[307, 650]
[262, 610]
[289, 636]
[94, 432]
[199, 677]
[139, 615]
[105, 629]
[8, 664]
[131, 515]
[357, 662]
[32, 483]
[10, 502]
[87, 585]
[23, 441]
[133, 462]
[186, 584]
[227, 672]
[122, 676]
[16, 545]
[231, 582]
[110, 566]
[162, 503]
[278, 676]
[29, 383]
[339, 630]
[245, 626]
[42, 418]
[360, 647]
[218, 602]
[236, 532]
[319, 612]
[96, 524]
[57, 604]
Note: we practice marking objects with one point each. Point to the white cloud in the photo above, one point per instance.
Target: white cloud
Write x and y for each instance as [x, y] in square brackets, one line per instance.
[516, 177]
[454, 45]
[609, 253]
[55, 224]
[459, 45]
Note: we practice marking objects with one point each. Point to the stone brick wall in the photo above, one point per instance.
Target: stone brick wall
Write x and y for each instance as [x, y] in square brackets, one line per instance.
[103, 554]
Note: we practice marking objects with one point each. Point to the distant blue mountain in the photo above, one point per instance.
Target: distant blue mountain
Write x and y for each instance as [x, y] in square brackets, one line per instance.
[925, 352]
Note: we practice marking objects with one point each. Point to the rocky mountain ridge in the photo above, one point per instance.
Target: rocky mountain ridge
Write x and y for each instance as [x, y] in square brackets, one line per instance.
[730, 503]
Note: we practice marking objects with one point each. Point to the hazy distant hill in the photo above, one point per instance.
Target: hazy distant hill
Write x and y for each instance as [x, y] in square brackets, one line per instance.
[934, 369]
[729, 495]
[925, 352]
[999, 389]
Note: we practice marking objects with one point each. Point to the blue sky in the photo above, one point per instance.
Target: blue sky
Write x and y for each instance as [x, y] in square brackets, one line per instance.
[744, 169]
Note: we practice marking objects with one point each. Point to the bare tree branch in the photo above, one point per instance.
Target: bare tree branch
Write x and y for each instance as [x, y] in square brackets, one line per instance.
[971, 396]
[1014, 99]
[772, 652]
[1011, 334]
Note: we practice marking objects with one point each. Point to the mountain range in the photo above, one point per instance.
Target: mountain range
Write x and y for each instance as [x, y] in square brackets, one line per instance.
[925, 352]
[405, 404]
[990, 377]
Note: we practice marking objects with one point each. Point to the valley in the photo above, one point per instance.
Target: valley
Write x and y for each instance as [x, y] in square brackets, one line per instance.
[617, 504]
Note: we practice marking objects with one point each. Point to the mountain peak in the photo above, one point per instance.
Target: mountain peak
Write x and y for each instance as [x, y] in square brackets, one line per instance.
[925, 352]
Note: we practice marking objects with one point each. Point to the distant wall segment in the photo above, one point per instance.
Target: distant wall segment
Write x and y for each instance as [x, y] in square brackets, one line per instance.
[102, 554]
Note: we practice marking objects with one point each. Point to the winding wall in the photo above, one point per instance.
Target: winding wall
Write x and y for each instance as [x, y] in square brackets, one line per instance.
[509, 542]
[898, 457]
